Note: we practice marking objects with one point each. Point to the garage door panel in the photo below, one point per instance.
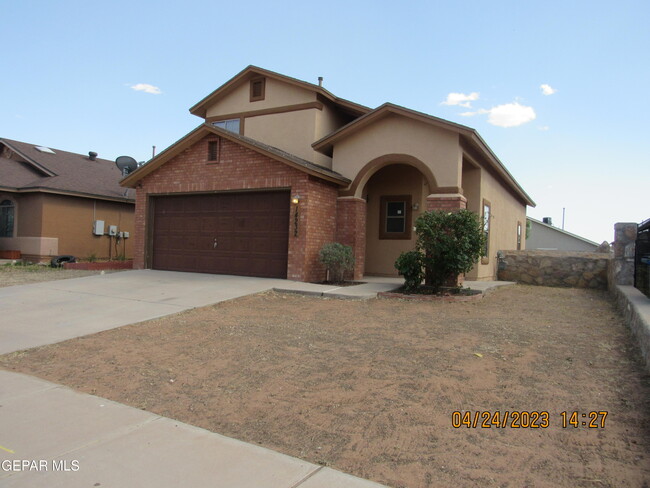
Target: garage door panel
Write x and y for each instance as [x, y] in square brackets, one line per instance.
[251, 230]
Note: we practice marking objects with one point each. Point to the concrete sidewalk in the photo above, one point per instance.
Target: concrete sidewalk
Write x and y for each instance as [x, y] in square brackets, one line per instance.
[74, 440]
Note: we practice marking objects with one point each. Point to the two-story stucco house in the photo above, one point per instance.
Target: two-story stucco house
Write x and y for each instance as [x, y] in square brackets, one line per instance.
[280, 167]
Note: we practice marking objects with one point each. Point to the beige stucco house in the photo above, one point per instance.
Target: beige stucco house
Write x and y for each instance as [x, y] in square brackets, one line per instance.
[280, 167]
[51, 199]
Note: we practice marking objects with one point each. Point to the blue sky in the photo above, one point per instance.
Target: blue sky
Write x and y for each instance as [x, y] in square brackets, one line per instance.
[70, 68]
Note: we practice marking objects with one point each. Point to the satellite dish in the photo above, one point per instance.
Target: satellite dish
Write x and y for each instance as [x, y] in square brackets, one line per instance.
[126, 164]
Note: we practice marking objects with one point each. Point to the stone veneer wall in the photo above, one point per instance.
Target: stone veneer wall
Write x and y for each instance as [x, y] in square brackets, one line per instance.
[555, 268]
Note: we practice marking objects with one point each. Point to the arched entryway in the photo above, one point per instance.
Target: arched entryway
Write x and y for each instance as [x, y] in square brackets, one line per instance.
[395, 196]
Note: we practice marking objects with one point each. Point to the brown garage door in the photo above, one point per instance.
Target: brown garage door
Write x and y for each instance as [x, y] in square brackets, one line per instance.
[226, 233]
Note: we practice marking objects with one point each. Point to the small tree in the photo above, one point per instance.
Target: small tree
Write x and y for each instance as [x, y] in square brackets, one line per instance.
[338, 259]
[448, 244]
[411, 265]
[452, 243]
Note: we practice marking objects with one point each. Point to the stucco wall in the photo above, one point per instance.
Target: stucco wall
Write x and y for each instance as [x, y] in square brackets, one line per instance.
[293, 132]
[71, 220]
[543, 237]
[437, 148]
[277, 94]
[506, 211]
[397, 179]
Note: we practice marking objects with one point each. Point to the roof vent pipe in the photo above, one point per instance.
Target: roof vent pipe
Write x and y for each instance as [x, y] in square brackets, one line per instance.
[92, 155]
[320, 81]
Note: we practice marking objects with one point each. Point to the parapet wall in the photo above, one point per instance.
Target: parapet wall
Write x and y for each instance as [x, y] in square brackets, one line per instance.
[555, 268]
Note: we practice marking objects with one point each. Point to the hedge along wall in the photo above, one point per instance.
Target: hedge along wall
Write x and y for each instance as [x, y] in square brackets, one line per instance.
[555, 268]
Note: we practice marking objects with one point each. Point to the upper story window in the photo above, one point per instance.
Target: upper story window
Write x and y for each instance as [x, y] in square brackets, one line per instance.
[231, 125]
[258, 87]
[395, 219]
[7, 210]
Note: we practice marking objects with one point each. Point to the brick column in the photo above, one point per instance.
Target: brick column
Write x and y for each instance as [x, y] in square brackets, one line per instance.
[351, 229]
[446, 201]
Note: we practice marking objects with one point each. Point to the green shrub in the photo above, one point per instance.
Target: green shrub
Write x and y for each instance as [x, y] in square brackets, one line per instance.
[338, 259]
[411, 265]
[451, 242]
[92, 258]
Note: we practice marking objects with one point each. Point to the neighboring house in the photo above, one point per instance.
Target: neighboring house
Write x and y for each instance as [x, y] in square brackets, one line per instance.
[280, 167]
[543, 236]
[50, 200]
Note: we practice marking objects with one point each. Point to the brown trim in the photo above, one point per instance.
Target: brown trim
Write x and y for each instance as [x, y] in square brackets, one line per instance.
[325, 144]
[470, 154]
[201, 131]
[266, 111]
[54, 191]
[28, 160]
[199, 109]
[261, 82]
[440, 190]
[383, 201]
[486, 203]
[364, 174]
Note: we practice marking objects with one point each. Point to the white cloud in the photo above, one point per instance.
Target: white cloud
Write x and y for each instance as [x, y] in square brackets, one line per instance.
[460, 99]
[147, 88]
[511, 115]
[506, 115]
[547, 89]
[544, 128]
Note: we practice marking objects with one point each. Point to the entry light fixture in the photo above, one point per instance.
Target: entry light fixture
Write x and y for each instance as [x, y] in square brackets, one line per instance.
[295, 199]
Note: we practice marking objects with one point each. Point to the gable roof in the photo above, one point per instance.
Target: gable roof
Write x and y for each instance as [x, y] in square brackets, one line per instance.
[562, 231]
[469, 135]
[253, 71]
[272, 152]
[24, 168]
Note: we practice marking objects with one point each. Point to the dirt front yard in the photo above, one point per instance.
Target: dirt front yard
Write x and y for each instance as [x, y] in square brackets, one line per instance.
[12, 275]
[371, 387]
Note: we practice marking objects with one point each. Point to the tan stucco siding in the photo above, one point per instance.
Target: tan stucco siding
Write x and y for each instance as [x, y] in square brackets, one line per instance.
[27, 213]
[71, 221]
[390, 181]
[276, 94]
[290, 131]
[437, 148]
[506, 211]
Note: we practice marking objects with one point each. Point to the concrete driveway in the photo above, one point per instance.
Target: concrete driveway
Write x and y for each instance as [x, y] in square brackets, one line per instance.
[54, 311]
[53, 436]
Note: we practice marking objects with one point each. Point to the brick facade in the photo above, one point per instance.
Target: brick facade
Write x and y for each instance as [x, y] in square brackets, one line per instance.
[351, 230]
[446, 202]
[240, 168]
